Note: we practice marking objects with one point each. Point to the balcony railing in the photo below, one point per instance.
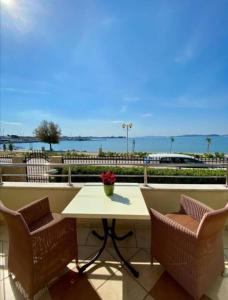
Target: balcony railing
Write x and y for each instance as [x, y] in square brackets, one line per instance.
[49, 169]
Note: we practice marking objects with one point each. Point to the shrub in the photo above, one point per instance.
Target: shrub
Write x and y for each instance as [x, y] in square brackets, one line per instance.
[220, 155]
[158, 175]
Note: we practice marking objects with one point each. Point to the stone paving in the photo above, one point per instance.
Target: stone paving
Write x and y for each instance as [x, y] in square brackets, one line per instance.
[107, 278]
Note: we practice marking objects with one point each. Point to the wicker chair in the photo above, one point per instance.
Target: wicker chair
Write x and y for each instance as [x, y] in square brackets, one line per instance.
[189, 244]
[41, 244]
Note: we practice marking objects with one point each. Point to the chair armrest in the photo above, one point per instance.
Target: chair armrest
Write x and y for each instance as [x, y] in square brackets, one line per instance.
[35, 210]
[193, 207]
[170, 225]
[170, 238]
[52, 234]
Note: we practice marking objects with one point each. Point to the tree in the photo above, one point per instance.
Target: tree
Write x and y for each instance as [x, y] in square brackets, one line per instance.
[4, 147]
[100, 151]
[10, 147]
[171, 143]
[48, 132]
[208, 144]
[133, 146]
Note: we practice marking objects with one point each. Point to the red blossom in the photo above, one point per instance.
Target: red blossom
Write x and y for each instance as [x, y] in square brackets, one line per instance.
[108, 178]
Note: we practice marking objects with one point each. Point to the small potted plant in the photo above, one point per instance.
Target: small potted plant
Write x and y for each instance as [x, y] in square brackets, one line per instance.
[108, 179]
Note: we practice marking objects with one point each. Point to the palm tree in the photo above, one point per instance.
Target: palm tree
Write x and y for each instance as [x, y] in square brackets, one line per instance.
[171, 143]
[208, 144]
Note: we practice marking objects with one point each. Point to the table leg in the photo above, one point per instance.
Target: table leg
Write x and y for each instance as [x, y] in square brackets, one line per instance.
[106, 230]
[114, 237]
[120, 238]
[110, 232]
[100, 237]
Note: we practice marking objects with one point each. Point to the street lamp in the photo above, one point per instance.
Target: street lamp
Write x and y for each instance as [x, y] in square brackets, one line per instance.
[127, 126]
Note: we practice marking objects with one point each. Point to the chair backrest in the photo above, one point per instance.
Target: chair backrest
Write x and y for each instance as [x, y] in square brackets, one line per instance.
[213, 222]
[17, 228]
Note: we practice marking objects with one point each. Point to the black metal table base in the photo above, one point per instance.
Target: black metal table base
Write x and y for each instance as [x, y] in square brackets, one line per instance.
[109, 231]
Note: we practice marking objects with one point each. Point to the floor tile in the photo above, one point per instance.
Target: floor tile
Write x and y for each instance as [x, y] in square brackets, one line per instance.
[107, 278]
[149, 297]
[11, 290]
[72, 265]
[5, 247]
[143, 237]
[93, 240]
[82, 235]
[225, 238]
[43, 295]
[167, 288]
[85, 252]
[147, 250]
[102, 269]
[121, 287]
[71, 286]
[3, 233]
[219, 289]
[148, 274]
[226, 261]
[3, 260]
[226, 258]
[127, 253]
[128, 242]
[99, 273]
[1, 290]
[142, 224]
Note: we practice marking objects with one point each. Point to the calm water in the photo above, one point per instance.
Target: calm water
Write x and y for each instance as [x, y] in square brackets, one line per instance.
[147, 144]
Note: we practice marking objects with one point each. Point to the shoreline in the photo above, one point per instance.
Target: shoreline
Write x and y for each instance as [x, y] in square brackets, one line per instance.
[96, 153]
[119, 145]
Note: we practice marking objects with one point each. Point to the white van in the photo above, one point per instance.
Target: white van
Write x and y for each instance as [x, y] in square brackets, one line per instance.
[171, 158]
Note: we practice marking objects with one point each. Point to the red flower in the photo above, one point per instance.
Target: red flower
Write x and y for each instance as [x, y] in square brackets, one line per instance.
[108, 178]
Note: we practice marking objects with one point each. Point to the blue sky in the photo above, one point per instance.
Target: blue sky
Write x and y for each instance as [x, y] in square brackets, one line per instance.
[90, 65]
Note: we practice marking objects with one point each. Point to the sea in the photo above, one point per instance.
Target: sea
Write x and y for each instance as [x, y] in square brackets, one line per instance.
[192, 144]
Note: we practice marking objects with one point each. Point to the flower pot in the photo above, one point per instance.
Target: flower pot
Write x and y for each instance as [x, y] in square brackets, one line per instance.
[108, 189]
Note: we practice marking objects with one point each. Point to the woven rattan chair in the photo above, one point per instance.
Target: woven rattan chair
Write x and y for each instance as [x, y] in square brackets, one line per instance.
[41, 244]
[189, 244]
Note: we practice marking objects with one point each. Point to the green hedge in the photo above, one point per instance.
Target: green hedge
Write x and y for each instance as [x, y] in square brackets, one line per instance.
[139, 171]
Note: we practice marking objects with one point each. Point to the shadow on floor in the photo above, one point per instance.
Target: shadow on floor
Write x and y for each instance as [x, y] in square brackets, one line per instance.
[166, 286]
[71, 286]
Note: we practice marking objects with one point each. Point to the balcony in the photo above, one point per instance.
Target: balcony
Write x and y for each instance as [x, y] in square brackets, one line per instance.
[107, 278]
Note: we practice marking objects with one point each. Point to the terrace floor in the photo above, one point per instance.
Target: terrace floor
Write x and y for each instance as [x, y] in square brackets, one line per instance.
[107, 278]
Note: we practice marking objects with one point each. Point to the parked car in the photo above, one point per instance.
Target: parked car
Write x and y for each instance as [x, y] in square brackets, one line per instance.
[171, 158]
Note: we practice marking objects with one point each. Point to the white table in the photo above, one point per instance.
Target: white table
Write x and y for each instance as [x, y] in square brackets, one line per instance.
[127, 202]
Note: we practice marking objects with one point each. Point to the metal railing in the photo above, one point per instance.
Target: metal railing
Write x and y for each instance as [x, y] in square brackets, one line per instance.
[103, 160]
[128, 160]
[69, 175]
[6, 158]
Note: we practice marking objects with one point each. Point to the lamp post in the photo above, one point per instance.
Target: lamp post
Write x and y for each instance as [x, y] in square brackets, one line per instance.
[127, 126]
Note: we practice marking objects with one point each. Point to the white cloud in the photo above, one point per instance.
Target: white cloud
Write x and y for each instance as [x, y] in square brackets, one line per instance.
[123, 108]
[146, 115]
[131, 98]
[23, 91]
[36, 115]
[197, 102]
[11, 123]
[60, 76]
[108, 21]
[185, 56]
[117, 122]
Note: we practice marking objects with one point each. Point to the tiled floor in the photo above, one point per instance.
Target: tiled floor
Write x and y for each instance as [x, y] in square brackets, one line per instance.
[107, 278]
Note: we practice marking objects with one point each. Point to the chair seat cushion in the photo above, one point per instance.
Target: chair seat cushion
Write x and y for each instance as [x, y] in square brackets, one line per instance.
[47, 219]
[185, 220]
